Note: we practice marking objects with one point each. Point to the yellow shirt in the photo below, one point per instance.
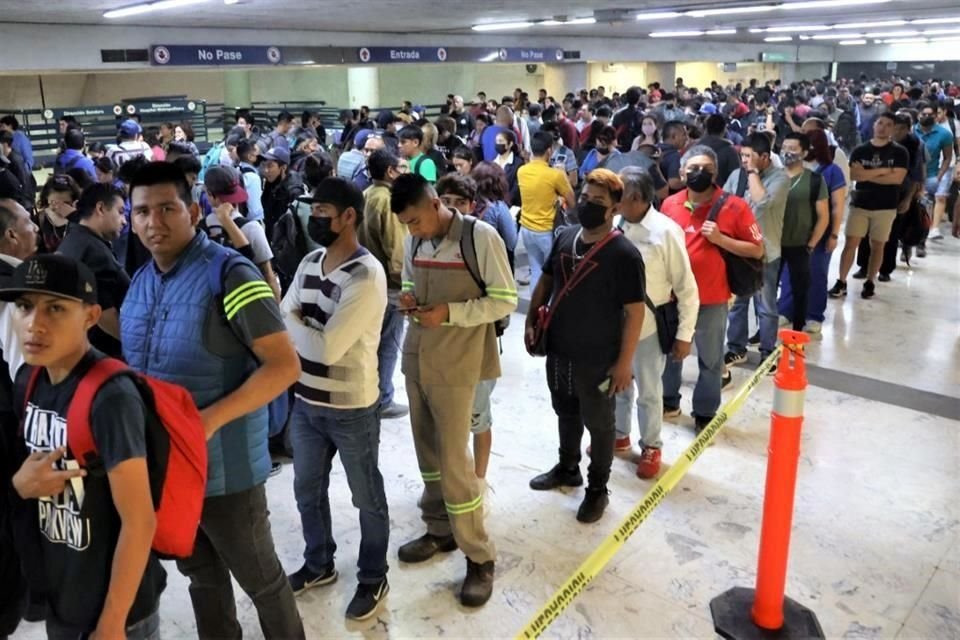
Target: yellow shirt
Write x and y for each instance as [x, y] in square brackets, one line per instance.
[540, 186]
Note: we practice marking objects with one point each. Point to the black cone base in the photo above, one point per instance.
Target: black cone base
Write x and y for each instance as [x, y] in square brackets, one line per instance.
[732, 620]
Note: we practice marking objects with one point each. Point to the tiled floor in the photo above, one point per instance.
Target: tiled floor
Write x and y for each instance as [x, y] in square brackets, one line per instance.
[876, 542]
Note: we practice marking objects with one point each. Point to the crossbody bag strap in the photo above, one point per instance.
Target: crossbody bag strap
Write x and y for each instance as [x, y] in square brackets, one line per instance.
[568, 286]
[715, 209]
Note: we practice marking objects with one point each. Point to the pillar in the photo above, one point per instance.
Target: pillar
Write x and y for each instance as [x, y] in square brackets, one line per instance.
[363, 86]
[236, 89]
[663, 72]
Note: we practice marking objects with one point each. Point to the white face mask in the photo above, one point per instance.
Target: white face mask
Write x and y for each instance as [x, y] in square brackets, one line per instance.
[649, 129]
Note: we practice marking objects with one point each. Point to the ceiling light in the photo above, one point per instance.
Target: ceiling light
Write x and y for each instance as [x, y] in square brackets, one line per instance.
[582, 21]
[870, 25]
[675, 34]
[550, 23]
[779, 39]
[806, 37]
[659, 15]
[147, 7]
[892, 34]
[808, 27]
[235, 2]
[953, 39]
[903, 41]
[757, 30]
[837, 36]
[827, 4]
[847, 43]
[501, 26]
[729, 11]
[721, 32]
[935, 21]
[933, 32]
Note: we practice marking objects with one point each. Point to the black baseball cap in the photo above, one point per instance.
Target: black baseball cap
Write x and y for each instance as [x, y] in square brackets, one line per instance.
[51, 274]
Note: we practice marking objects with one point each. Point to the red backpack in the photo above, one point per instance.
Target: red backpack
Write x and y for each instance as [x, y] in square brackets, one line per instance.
[176, 449]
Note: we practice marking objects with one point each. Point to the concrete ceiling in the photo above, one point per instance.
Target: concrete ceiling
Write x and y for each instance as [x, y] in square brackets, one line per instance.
[615, 19]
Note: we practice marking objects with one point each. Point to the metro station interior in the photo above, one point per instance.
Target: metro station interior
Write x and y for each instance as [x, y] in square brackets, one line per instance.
[874, 544]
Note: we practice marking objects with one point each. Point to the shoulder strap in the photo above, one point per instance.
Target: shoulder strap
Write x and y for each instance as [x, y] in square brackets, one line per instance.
[79, 430]
[715, 209]
[742, 184]
[416, 164]
[572, 279]
[468, 248]
[31, 386]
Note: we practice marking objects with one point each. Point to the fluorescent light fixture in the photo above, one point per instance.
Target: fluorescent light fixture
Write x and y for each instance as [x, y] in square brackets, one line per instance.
[582, 21]
[730, 11]
[933, 32]
[870, 25]
[758, 30]
[847, 43]
[953, 39]
[675, 34]
[827, 4]
[935, 21]
[806, 37]
[659, 15]
[903, 41]
[233, 2]
[490, 57]
[502, 26]
[798, 29]
[550, 23]
[893, 34]
[721, 32]
[779, 39]
[837, 36]
[147, 7]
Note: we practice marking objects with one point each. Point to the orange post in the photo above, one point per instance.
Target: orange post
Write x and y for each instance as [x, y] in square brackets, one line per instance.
[786, 421]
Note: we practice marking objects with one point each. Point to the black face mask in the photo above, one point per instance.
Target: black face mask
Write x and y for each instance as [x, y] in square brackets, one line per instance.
[927, 121]
[501, 149]
[591, 215]
[699, 180]
[320, 231]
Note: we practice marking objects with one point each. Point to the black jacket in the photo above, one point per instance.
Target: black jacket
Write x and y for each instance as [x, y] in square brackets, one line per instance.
[277, 198]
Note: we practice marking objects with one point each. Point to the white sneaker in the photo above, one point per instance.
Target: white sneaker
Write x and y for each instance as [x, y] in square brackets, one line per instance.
[813, 327]
[935, 234]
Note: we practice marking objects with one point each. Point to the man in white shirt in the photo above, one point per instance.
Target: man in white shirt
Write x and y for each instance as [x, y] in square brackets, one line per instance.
[18, 241]
[333, 311]
[130, 144]
[671, 294]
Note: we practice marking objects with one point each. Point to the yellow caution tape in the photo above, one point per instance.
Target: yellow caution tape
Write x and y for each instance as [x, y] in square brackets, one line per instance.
[597, 560]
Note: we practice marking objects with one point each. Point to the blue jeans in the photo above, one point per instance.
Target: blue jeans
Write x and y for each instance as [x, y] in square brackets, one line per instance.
[648, 361]
[317, 434]
[538, 245]
[389, 352]
[708, 338]
[765, 302]
[817, 295]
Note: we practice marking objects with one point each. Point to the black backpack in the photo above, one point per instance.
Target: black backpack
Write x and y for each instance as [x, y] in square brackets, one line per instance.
[289, 245]
[744, 275]
[224, 239]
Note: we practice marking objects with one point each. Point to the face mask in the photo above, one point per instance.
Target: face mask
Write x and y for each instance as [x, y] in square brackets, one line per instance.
[699, 180]
[927, 121]
[790, 158]
[591, 215]
[649, 129]
[501, 149]
[603, 150]
[320, 231]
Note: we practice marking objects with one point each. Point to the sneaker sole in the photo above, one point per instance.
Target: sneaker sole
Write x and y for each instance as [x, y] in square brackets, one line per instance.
[319, 582]
[738, 360]
[674, 413]
[373, 611]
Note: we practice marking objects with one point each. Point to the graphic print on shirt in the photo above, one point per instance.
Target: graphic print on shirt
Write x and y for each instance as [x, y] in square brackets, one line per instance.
[59, 516]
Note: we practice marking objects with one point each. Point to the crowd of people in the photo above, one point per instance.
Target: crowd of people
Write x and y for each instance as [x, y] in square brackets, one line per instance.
[279, 277]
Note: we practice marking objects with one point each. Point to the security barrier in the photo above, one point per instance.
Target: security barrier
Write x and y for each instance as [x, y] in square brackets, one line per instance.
[597, 560]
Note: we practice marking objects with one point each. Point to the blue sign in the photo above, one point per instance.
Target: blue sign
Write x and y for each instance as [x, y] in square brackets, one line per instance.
[516, 54]
[187, 55]
[402, 54]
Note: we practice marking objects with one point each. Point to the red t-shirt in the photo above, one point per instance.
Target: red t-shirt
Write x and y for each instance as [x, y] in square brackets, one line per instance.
[735, 220]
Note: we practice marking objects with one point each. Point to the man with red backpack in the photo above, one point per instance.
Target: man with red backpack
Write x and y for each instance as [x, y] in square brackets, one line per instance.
[90, 557]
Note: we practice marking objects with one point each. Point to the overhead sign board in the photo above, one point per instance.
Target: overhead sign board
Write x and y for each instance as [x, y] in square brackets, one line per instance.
[774, 56]
[80, 113]
[521, 54]
[213, 55]
[382, 55]
[158, 108]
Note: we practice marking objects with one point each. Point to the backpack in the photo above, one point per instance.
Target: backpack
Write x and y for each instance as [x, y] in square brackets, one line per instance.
[415, 169]
[219, 267]
[176, 449]
[58, 170]
[846, 131]
[223, 239]
[211, 159]
[289, 244]
[744, 275]
[468, 249]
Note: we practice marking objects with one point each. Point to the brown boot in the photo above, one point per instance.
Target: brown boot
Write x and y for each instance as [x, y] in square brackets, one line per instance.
[478, 585]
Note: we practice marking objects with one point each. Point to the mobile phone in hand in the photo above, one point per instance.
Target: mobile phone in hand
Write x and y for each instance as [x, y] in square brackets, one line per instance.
[604, 387]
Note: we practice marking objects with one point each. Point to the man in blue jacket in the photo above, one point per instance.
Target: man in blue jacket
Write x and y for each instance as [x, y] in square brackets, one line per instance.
[72, 156]
[200, 315]
[21, 143]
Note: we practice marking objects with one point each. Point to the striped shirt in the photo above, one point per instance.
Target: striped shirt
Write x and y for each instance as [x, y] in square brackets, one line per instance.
[334, 320]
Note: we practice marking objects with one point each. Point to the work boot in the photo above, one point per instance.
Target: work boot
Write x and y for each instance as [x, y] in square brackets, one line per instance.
[478, 585]
[425, 547]
[594, 502]
[557, 477]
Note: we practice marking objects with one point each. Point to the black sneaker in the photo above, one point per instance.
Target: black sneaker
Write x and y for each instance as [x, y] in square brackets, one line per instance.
[868, 290]
[733, 358]
[763, 358]
[394, 411]
[884, 277]
[557, 477]
[594, 502]
[839, 290]
[860, 274]
[701, 422]
[306, 579]
[275, 469]
[754, 339]
[922, 251]
[366, 600]
[726, 380]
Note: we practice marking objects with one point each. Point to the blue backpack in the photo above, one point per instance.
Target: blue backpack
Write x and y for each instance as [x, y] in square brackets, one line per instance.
[210, 159]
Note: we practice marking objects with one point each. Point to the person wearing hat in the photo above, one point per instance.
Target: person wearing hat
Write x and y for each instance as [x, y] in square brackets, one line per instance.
[105, 546]
[281, 186]
[227, 226]
[129, 144]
